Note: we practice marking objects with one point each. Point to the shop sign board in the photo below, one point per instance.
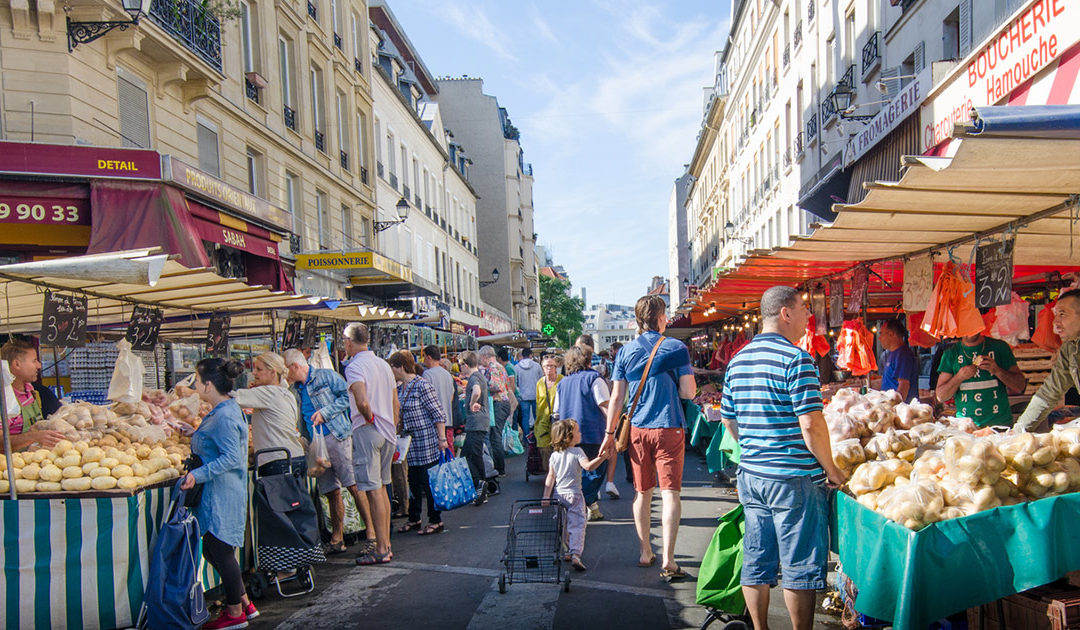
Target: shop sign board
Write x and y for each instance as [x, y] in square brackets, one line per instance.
[918, 283]
[895, 112]
[495, 323]
[1038, 34]
[354, 260]
[35, 158]
[25, 210]
[203, 184]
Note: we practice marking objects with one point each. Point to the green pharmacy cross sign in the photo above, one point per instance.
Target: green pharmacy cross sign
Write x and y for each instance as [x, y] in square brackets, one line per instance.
[548, 330]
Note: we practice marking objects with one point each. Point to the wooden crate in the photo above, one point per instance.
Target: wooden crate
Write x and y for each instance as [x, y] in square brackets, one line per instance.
[1050, 607]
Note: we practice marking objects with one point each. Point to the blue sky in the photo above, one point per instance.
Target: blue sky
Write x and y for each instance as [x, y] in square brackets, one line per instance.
[608, 97]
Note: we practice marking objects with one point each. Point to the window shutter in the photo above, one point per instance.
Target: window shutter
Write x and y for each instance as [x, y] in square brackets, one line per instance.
[920, 57]
[208, 150]
[134, 110]
[892, 84]
[965, 28]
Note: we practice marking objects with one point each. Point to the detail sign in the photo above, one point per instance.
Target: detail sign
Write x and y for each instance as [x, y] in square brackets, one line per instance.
[84, 161]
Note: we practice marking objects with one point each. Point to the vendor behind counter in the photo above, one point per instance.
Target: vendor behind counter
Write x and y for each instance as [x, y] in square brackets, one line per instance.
[1065, 374]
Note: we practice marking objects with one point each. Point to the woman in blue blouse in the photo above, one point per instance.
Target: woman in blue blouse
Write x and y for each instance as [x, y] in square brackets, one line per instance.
[221, 442]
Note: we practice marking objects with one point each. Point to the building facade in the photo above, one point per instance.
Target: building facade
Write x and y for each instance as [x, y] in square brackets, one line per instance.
[610, 323]
[262, 122]
[504, 212]
[678, 246]
[420, 165]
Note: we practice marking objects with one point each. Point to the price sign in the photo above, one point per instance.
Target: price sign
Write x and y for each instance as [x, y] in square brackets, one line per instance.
[918, 283]
[142, 330]
[993, 274]
[291, 337]
[836, 303]
[63, 320]
[311, 330]
[860, 280]
[217, 334]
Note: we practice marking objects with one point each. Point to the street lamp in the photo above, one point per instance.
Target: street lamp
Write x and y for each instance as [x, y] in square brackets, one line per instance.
[86, 32]
[403, 213]
[729, 234]
[494, 278]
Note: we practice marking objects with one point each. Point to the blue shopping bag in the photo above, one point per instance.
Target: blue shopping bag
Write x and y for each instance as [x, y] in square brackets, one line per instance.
[451, 482]
[512, 440]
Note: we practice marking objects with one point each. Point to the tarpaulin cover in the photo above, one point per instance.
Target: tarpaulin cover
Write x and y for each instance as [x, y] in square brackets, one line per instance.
[914, 578]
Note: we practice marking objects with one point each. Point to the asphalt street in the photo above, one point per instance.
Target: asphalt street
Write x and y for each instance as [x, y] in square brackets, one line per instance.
[450, 580]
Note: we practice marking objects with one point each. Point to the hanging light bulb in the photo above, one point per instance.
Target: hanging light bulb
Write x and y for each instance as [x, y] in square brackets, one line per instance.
[830, 333]
[874, 329]
[805, 296]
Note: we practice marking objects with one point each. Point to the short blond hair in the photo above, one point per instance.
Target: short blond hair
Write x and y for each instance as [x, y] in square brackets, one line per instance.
[562, 434]
[274, 363]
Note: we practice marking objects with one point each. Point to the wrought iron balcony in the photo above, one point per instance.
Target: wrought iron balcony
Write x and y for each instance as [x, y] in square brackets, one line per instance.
[251, 90]
[345, 160]
[358, 66]
[363, 175]
[312, 11]
[797, 35]
[337, 41]
[847, 82]
[871, 53]
[196, 28]
[379, 170]
[787, 55]
[810, 10]
[320, 141]
[290, 117]
[828, 109]
[811, 128]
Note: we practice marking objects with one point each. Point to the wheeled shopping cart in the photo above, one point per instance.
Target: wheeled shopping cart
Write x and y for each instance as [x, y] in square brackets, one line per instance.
[535, 544]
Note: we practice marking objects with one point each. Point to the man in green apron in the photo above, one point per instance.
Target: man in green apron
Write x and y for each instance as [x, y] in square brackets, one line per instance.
[22, 358]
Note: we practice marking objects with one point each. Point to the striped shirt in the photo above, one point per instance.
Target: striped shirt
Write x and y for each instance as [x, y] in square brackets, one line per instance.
[768, 385]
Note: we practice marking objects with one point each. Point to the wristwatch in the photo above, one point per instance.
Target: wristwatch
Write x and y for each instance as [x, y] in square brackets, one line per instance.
[609, 432]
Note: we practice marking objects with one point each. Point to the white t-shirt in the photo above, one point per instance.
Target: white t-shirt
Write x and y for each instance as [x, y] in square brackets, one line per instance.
[601, 393]
[367, 368]
[568, 465]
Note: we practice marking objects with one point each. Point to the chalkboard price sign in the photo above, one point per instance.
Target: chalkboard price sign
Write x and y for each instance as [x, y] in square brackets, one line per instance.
[993, 274]
[63, 320]
[291, 337]
[217, 334]
[142, 330]
[311, 329]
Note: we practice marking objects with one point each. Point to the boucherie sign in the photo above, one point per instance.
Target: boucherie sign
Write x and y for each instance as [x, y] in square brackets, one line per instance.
[1036, 37]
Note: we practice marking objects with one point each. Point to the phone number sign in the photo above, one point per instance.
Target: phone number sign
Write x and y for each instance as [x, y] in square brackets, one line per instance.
[44, 210]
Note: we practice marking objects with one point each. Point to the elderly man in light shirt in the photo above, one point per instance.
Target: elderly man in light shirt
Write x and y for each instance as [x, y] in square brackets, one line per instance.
[443, 383]
[375, 411]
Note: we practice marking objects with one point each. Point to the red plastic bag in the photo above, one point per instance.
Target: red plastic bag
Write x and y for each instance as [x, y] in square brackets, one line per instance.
[855, 348]
[916, 335]
[816, 345]
[1044, 335]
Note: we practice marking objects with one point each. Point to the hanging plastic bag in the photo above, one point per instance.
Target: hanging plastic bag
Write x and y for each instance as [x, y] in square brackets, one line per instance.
[13, 407]
[318, 456]
[918, 336]
[451, 483]
[1011, 323]
[512, 440]
[952, 311]
[1044, 335]
[855, 348]
[402, 447]
[320, 358]
[126, 384]
[816, 345]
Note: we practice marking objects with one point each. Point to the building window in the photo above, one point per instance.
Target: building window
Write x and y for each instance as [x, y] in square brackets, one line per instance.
[318, 114]
[357, 42]
[365, 232]
[322, 212]
[361, 127]
[207, 138]
[293, 205]
[134, 110]
[255, 168]
[346, 227]
[248, 36]
[285, 62]
[950, 35]
[343, 128]
[391, 160]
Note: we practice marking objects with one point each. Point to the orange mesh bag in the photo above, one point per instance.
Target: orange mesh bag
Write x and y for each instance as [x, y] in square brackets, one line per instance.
[855, 348]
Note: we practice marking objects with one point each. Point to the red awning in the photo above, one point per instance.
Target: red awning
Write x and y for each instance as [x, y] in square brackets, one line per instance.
[232, 232]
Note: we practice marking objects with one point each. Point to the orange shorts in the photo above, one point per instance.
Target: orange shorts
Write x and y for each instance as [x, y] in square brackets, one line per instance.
[656, 458]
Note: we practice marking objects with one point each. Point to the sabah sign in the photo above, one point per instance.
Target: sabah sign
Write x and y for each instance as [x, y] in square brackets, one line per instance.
[994, 273]
[63, 320]
[1036, 37]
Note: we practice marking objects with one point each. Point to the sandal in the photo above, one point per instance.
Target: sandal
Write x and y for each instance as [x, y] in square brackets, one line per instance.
[373, 557]
[645, 564]
[433, 528]
[670, 575]
[332, 549]
[409, 526]
[577, 563]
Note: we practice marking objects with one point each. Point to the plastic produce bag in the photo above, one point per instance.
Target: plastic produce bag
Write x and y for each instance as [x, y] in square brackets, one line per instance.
[913, 505]
[511, 440]
[973, 461]
[1011, 321]
[814, 344]
[847, 454]
[451, 483]
[718, 575]
[126, 384]
[855, 348]
[1044, 336]
[318, 456]
[952, 311]
[13, 407]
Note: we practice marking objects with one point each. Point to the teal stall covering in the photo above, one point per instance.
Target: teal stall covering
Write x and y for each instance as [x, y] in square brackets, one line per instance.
[914, 578]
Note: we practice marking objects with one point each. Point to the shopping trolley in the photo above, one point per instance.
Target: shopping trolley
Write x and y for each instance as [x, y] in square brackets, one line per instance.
[535, 544]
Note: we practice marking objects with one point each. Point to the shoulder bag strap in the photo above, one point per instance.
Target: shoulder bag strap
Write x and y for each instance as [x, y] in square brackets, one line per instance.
[645, 375]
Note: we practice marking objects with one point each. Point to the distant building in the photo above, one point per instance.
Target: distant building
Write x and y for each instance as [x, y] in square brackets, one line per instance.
[610, 323]
[678, 251]
[659, 286]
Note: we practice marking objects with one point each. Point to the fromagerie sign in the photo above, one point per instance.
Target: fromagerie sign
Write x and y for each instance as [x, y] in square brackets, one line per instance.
[1038, 35]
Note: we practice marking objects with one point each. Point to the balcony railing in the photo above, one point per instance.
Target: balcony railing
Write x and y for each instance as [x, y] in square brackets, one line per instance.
[787, 157]
[290, 117]
[906, 5]
[363, 175]
[828, 108]
[797, 35]
[871, 53]
[847, 82]
[393, 180]
[251, 90]
[811, 128]
[312, 11]
[810, 8]
[358, 66]
[345, 160]
[320, 141]
[192, 25]
[338, 42]
[787, 55]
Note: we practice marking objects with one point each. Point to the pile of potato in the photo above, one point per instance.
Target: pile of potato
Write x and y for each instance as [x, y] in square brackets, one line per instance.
[100, 464]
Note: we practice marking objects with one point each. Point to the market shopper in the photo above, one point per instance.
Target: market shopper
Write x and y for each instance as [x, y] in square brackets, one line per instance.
[373, 403]
[772, 404]
[980, 372]
[221, 444]
[657, 433]
[900, 369]
[274, 415]
[477, 424]
[529, 374]
[424, 419]
[583, 396]
[324, 408]
[545, 407]
[504, 403]
[444, 385]
[22, 358]
[1065, 373]
[569, 464]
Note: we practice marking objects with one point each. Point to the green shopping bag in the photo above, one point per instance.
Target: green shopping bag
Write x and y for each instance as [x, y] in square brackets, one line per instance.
[723, 451]
[718, 578]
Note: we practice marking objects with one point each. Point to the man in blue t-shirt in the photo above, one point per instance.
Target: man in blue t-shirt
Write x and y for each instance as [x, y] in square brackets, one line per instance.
[900, 370]
[772, 405]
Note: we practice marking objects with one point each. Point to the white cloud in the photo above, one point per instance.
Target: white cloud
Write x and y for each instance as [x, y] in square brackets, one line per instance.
[541, 25]
[472, 22]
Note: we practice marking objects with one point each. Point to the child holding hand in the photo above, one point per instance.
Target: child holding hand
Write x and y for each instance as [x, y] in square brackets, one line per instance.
[564, 477]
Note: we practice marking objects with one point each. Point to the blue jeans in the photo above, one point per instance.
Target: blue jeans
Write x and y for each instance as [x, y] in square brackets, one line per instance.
[527, 409]
[592, 480]
[787, 523]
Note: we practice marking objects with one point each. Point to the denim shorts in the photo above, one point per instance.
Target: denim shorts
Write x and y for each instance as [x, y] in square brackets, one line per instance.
[787, 525]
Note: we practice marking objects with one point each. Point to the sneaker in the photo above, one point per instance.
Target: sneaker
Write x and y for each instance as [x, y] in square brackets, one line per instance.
[493, 488]
[225, 621]
[611, 490]
[594, 512]
[482, 496]
[250, 611]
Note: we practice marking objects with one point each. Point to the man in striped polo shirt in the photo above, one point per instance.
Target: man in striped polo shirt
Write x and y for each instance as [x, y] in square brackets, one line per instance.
[772, 404]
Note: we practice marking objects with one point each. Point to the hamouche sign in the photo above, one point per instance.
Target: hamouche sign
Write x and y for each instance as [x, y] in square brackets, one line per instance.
[1038, 35]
